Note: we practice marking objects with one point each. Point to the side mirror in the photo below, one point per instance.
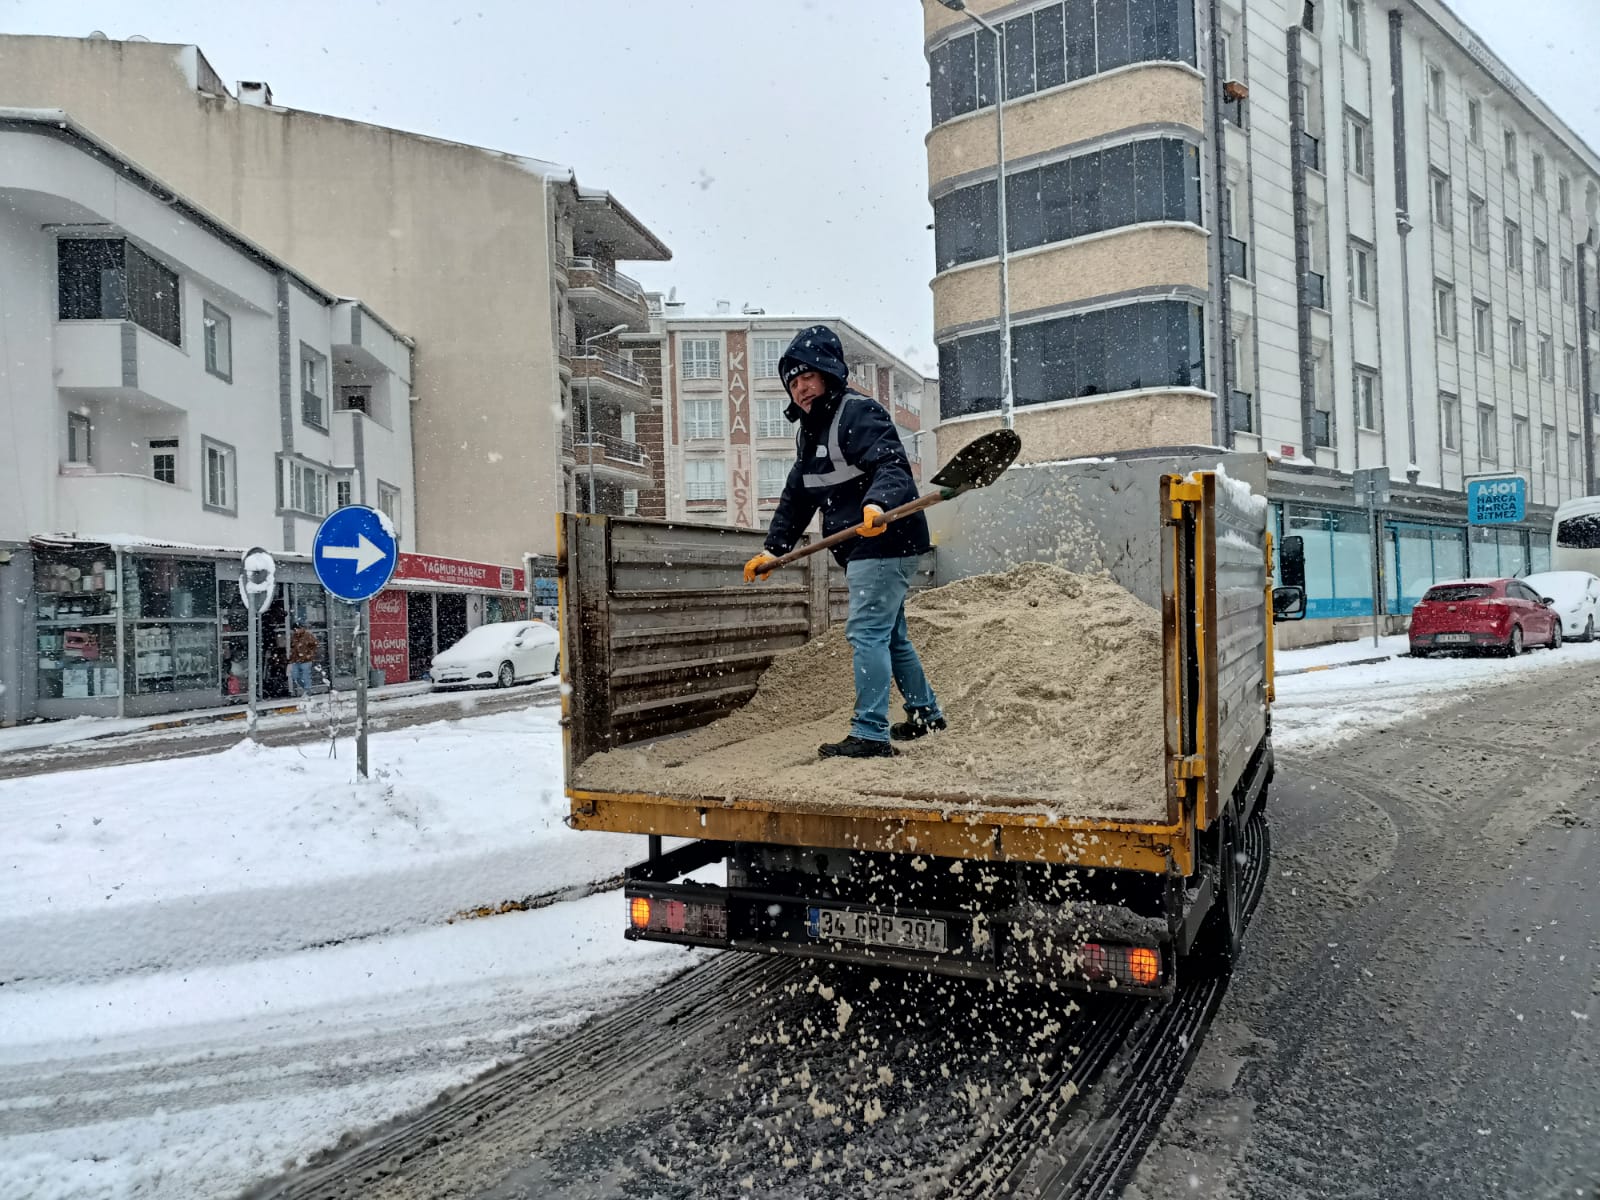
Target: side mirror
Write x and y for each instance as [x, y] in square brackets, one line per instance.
[1288, 604]
[1292, 562]
[1547, 601]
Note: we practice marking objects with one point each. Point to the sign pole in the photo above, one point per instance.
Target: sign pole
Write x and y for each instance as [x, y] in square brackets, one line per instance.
[255, 644]
[363, 669]
[1377, 548]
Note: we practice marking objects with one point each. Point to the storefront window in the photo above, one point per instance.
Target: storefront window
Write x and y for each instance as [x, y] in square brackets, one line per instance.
[172, 641]
[1338, 551]
[1498, 552]
[1419, 556]
[504, 608]
[344, 639]
[76, 617]
[308, 608]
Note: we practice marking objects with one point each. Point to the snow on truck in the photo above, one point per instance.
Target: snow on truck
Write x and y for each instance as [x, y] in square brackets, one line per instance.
[1100, 633]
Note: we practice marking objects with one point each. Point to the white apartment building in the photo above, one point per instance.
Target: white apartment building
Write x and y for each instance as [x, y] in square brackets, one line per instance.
[165, 385]
[723, 441]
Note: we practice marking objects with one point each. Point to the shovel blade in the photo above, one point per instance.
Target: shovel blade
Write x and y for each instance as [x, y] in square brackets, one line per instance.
[981, 461]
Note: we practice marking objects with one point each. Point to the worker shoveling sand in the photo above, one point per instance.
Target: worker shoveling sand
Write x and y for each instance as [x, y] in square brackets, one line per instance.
[1052, 683]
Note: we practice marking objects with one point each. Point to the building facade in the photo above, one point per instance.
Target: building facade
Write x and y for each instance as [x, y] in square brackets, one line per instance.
[724, 443]
[503, 267]
[1342, 233]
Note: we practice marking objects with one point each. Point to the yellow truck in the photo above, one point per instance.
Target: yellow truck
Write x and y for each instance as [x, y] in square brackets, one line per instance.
[660, 635]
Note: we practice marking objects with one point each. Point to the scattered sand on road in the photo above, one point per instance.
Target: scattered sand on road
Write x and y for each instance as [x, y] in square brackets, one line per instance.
[1052, 683]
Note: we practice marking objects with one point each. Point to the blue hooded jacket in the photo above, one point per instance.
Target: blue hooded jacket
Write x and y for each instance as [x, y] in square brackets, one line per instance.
[847, 455]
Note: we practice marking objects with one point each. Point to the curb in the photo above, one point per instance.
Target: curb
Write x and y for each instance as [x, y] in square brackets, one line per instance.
[1355, 662]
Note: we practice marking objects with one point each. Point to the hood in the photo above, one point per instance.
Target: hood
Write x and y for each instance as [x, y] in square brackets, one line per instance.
[820, 349]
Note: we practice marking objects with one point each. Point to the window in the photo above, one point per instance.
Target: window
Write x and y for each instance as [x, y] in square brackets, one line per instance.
[219, 341]
[219, 460]
[1521, 442]
[702, 357]
[765, 357]
[1569, 367]
[1519, 343]
[164, 460]
[771, 475]
[1148, 344]
[303, 488]
[1157, 179]
[343, 493]
[630, 426]
[1548, 445]
[702, 419]
[1547, 357]
[1569, 282]
[1436, 89]
[630, 502]
[1541, 264]
[1444, 310]
[704, 479]
[109, 279]
[355, 397]
[1441, 199]
[1564, 193]
[1478, 221]
[1225, 57]
[1482, 328]
[1575, 458]
[313, 388]
[1367, 398]
[1513, 246]
[1488, 437]
[1449, 420]
[389, 504]
[1475, 122]
[1354, 31]
[770, 422]
[1361, 277]
[80, 439]
[1358, 146]
[1538, 178]
[1511, 152]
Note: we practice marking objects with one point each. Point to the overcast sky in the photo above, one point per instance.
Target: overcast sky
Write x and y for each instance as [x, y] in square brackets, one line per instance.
[775, 145]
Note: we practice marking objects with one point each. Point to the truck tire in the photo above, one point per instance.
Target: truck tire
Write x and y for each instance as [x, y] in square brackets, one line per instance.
[1221, 938]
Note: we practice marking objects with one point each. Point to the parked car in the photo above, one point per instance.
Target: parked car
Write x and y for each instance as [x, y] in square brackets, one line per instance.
[1502, 615]
[498, 655]
[1577, 599]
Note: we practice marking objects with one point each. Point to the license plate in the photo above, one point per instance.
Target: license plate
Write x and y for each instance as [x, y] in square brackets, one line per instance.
[1453, 638]
[876, 929]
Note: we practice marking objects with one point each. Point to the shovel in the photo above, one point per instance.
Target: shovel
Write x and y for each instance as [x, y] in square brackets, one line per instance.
[977, 464]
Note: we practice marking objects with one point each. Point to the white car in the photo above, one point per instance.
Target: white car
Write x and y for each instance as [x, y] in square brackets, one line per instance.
[498, 655]
[1577, 600]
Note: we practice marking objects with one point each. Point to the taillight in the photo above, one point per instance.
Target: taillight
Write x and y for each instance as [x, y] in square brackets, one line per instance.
[690, 917]
[1134, 966]
[639, 912]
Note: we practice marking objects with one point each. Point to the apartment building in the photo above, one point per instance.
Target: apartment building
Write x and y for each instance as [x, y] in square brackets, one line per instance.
[167, 384]
[721, 443]
[503, 267]
[1340, 232]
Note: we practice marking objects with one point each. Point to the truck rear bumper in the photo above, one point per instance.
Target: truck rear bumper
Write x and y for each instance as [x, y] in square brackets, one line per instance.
[663, 906]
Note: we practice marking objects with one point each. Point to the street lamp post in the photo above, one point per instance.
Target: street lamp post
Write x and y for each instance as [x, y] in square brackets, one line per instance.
[1007, 404]
[588, 411]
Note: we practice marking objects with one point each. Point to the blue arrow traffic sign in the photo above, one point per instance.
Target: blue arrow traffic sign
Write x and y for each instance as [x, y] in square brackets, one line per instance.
[354, 552]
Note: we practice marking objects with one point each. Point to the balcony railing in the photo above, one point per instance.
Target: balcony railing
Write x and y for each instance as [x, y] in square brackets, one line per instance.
[1237, 255]
[1321, 428]
[594, 359]
[1316, 290]
[1311, 151]
[1242, 412]
[614, 448]
[606, 276]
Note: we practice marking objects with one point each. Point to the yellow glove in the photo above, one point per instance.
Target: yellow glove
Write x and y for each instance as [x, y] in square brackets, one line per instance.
[753, 569]
[871, 518]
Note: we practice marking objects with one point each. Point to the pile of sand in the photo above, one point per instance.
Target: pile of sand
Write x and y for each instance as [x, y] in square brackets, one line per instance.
[1051, 681]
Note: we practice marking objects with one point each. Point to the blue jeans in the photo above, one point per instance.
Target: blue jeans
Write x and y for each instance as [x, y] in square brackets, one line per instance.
[876, 631]
[300, 678]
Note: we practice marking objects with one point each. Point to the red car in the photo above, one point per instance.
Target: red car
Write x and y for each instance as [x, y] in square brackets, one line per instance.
[1483, 614]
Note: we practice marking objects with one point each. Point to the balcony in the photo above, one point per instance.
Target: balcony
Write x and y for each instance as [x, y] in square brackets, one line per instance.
[1236, 256]
[1241, 411]
[1315, 290]
[120, 361]
[607, 376]
[1311, 151]
[107, 500]
[601, 295]
[609, 457]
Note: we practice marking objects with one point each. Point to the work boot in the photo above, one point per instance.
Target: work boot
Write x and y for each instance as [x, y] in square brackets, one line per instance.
[854, 747]
[917, 724]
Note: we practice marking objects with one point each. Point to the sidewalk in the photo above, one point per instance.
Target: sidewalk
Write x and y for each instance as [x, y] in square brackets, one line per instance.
[82, 729]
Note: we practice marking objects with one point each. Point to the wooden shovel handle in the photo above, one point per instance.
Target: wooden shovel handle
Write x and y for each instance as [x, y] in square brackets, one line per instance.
[844, 535]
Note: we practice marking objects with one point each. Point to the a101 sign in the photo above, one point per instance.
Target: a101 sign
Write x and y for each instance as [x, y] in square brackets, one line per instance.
[1500, 501]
